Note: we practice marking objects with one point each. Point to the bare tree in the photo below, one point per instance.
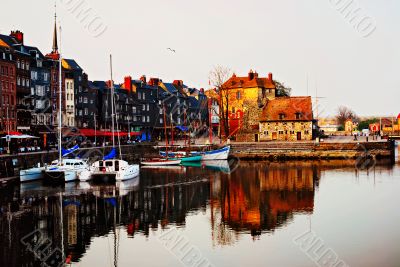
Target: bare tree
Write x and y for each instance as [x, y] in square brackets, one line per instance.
[345, 113]
[218, 76]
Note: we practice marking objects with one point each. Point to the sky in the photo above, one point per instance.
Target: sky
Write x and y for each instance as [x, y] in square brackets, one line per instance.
[345, 62]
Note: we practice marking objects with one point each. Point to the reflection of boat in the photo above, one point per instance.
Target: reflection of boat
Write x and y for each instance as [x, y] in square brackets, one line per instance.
[127, 186]
[171, 167]
[196, 164]
[218, 154]
[220, 165]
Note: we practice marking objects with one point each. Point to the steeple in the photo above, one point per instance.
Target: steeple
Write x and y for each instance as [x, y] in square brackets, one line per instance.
[55, 44]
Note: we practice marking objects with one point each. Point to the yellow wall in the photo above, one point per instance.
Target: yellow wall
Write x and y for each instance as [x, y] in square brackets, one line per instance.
[285, 131]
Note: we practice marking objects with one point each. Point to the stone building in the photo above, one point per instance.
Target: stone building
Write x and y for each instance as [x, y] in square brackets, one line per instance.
[243, 98]
[287, 119]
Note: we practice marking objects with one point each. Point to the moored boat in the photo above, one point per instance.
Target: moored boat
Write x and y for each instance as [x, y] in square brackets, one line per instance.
[161, 162]
[217, 154]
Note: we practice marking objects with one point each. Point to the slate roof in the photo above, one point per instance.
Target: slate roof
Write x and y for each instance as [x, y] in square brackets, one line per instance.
[72, 64]
[288, 106]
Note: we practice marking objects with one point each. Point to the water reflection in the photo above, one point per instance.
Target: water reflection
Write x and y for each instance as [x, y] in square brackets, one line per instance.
[256, 198]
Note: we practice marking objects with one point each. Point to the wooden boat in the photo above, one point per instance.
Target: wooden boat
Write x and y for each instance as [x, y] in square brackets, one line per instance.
[161, 162]
[217, 154]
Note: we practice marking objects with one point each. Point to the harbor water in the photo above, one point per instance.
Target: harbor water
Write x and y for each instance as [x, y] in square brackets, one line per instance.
[296, 214]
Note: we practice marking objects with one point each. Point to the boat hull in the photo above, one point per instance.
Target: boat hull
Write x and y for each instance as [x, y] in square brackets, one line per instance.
[191, 158]
[32, 174]
[162, 162]
[129, 173]
[219, 154]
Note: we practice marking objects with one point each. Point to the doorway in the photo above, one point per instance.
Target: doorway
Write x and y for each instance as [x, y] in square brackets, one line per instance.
[298, 136]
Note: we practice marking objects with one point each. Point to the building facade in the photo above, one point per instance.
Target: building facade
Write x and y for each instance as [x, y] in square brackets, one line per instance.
[8, 120]
[241, 100]
[287, 119]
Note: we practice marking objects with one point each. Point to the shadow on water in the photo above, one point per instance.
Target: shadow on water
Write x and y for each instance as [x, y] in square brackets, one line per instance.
[254, 199]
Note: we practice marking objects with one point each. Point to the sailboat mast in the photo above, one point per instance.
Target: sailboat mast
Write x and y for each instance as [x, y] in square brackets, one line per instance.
[112, 102]
[60, 105]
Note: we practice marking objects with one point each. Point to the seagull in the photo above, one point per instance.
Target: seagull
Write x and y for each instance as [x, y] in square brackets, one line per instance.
[172, 50]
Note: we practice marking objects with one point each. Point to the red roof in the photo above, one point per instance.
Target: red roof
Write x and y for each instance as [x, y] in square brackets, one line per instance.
[287, 108]
[398, 116]
[248, 82]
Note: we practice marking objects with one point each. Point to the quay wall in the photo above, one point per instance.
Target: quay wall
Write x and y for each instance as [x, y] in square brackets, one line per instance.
[313, 151]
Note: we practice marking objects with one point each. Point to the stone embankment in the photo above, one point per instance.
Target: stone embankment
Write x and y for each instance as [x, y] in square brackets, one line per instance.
[312, 150]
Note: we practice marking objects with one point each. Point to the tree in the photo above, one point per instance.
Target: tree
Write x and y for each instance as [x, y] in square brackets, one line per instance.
[345, 113]
[365, 123]
[218, 76]
[282, 89]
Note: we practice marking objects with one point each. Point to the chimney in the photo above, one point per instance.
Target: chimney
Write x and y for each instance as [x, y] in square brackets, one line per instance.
[128, 83]
[255, 74]
[270, 77]
[154, 81]
[143, 79]
[251, 75]
[178, 83]
[18, 35]
[108, 83]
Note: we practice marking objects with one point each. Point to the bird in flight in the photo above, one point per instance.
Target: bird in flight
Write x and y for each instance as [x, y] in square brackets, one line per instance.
[172, 50]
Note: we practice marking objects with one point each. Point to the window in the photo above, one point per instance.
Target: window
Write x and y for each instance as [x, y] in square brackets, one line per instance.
[134, 110]
[148, 118]
[148, 107]
[143, 118]
[280, 132]
[298, 116]
[179, 120]
[23, 64]
[85, 100]
[233, 110]
[238, 95]
[86, 111]
[18, 64]
[27, 66]
[18, 81]
[144, 96]
[80, 100]
[139, 95]
[161, 120]
[143, 107]
[281, 116]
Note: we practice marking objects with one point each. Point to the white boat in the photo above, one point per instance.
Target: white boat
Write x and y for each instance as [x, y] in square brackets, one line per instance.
[110, 168]
[31, 174]
[117, 169]
[67, 171]
[218, 154]
[34, 174]
[161, 162]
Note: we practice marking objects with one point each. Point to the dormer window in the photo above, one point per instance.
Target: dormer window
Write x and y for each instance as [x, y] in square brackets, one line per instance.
[282, 116]
[299, 116]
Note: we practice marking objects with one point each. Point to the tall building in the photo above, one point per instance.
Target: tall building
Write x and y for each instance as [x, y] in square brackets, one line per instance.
[243, 96]
[7, 87]
[40, 91]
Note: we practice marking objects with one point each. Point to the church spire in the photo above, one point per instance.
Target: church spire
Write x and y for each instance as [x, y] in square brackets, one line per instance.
[55, 44]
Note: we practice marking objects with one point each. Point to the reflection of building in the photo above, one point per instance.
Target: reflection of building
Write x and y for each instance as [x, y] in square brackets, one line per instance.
[72, 220]
[259, 199]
